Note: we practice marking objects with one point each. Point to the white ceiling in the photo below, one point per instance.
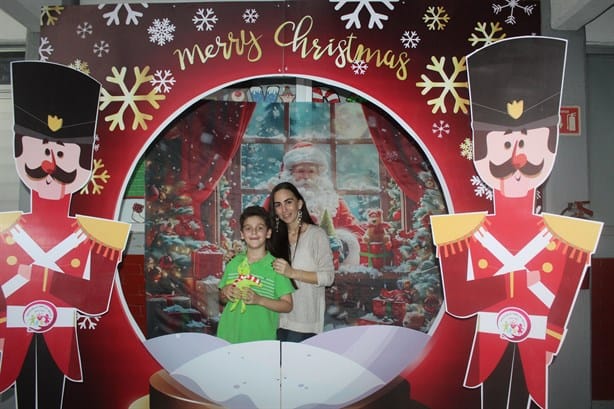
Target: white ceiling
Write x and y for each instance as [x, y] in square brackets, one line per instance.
[596, 16]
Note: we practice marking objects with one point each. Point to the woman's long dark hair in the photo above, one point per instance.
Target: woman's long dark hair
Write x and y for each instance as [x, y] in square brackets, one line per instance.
[280, 245]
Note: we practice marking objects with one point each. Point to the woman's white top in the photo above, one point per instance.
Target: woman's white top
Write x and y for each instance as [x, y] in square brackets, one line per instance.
[312, 253]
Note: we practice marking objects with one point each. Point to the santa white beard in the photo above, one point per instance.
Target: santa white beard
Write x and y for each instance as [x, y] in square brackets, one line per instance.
[319, 194]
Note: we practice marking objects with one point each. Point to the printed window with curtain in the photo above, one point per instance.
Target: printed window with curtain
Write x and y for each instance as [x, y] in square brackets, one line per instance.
[325, 149]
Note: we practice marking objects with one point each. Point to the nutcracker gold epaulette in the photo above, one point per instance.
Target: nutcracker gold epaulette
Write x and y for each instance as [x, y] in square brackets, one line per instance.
[578, 236]
[8, 220]
[109, 236]
[450, 231]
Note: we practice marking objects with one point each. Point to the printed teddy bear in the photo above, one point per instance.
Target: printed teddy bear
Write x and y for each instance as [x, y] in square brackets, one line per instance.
[376, 231]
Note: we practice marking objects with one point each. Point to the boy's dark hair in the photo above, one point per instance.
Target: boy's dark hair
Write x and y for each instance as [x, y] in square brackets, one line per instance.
[255, 211]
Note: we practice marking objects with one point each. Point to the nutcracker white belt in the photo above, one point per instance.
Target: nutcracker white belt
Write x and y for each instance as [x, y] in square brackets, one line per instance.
[40, 316]
[513, 324]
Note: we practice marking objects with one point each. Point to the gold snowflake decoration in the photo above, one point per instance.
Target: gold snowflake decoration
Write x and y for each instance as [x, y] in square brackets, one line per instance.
[485, 36]
[47, 15]
[130, 98]
[449, 85]
[466, 149]
[436, 18]
[100, 177]
[80, 65]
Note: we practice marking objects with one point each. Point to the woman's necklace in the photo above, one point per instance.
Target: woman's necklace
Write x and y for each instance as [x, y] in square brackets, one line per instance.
[294, 235]
[293, 238]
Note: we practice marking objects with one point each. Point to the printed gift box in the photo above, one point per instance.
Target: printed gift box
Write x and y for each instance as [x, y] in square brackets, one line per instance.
[374, 254]
[207, 261]
[383, 307]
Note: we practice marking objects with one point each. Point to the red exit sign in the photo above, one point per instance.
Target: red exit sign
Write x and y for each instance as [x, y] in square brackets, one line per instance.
[570, 120]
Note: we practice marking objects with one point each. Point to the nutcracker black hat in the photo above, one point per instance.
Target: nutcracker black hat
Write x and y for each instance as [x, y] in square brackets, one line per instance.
[53, 101]
[516, 83]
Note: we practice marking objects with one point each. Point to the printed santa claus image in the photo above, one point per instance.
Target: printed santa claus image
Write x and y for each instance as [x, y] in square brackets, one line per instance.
[307, 167]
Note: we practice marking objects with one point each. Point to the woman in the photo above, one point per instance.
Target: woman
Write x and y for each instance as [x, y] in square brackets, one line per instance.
[303, 254]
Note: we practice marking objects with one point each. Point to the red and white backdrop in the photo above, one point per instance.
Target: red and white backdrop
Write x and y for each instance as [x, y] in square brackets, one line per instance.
[205, 95]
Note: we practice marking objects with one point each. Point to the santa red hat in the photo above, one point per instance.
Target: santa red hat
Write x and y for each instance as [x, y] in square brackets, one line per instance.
[304, 152]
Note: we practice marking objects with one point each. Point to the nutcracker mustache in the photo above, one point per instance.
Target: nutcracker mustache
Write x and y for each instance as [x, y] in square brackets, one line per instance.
[507, 168]
[58, 174]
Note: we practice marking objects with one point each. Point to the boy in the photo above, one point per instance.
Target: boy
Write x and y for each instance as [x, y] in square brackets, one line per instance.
[254, 293]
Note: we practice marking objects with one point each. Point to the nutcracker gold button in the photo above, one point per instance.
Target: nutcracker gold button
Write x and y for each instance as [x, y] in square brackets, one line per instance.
[483, 263]
[75, 262]
[9, 240]
[547, 267]
[551, 246]
[11, 260]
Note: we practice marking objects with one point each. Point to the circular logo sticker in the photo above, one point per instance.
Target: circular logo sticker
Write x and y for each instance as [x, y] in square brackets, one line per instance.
[514, 324]
[39, 316]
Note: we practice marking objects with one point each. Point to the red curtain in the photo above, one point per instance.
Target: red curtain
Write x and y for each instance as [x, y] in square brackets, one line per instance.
[211, 135]
[398, 153]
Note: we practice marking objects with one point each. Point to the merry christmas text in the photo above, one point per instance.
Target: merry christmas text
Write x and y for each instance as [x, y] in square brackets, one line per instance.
[346, 50]
[246, 43]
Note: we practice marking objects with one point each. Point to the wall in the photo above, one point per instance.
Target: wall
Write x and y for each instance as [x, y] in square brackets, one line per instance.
[9, 181]
[12, 35]
[570, 373]
[602, 305]
[601, 168]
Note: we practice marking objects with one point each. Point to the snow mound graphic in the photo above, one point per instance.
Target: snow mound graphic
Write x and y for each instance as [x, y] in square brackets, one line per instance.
[331, 370]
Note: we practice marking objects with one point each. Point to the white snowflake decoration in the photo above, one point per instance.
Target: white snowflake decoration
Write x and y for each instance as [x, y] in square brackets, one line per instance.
[84, 29]
[101, 48]
[375, 18]
[161, 31]
[87, 321]
[410, 39]
[480, 189]
[440, 128]
[466, 149]
[204, 19]
[45, 49]
[132, 16]
[359, 67]
[163, 81]
[512, 5]
[250, 16]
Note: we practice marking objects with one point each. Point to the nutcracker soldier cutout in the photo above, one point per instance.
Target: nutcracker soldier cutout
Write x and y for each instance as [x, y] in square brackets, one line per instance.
[517, 272]
[54, 265]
